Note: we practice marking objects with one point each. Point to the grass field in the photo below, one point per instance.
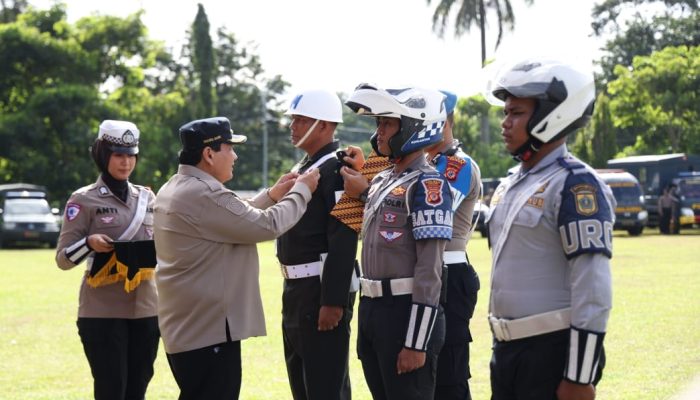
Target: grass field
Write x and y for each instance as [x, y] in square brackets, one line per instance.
[652, 345]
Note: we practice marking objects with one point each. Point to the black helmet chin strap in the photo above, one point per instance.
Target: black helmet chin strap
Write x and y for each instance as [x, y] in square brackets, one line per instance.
[525, 152]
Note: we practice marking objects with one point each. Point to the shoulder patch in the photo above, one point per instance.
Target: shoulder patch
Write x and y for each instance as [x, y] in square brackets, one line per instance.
[431, 208]
[72, 211]
[585, 219]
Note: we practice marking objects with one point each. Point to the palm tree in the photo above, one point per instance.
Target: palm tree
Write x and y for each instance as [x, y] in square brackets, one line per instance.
[469, 13]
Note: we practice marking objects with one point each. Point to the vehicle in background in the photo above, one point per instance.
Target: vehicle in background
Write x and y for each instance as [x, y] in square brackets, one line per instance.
[25, 215]
[656, 172]
[688, 192]
[630, 213]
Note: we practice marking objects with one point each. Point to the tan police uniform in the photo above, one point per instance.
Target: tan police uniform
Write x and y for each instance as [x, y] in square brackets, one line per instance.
[208, 268]
[95, 209]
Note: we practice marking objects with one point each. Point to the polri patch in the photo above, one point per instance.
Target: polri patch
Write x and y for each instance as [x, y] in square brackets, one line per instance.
[454, 165]
[72, 211]
[586, 203]
[433, 191]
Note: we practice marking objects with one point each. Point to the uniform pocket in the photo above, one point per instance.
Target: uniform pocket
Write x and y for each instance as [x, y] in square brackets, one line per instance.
[528, 217]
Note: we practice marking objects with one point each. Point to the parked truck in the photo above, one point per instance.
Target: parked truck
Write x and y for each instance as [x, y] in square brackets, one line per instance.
[630, 213]
[656, 172]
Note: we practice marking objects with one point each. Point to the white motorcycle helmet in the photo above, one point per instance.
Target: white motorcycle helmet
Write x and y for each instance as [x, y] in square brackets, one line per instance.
[421, 112]
[564, 96]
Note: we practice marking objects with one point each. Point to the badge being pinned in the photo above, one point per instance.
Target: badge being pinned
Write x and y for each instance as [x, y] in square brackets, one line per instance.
[72, 211]
[586, 203]
[433, 191]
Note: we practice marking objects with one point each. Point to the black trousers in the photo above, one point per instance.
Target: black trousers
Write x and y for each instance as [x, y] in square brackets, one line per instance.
[531, 368]
[381, 336]
[453, 363]
[121, 353]
[317, 362]
[211, 373]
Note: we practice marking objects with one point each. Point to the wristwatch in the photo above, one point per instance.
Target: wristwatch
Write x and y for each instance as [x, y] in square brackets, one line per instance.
[363, 196]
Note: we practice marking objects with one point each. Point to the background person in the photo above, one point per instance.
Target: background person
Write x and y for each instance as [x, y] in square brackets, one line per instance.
[118, 329]
[208, 269]
[317, 257]
[462, 283]
[407, 221]
[550, 230]
[668, 209]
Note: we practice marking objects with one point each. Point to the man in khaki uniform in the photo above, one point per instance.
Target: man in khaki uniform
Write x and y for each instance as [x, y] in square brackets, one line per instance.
[207, 273]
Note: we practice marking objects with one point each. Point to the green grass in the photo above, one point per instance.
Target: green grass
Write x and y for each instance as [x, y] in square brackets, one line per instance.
[653, 341]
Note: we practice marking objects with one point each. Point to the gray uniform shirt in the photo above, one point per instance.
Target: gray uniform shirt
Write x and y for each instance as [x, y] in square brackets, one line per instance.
[537, 266]
[389, 249]
[208, 269]
[95, 209]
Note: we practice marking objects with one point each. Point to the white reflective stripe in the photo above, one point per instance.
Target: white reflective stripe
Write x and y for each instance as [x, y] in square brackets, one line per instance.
[411, 327]
[400, 286]
[77, 251]
[423, 328]
[589, 353]
[454, 257]
[573, 356]
[301, 270]
[533, 325]
[139, 216]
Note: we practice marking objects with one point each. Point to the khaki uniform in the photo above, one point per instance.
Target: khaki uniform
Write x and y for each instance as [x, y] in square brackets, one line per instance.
[208, 269]
[94, 209]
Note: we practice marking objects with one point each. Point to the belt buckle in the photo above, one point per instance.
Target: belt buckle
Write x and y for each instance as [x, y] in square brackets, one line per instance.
[499, 328]
[283, 268]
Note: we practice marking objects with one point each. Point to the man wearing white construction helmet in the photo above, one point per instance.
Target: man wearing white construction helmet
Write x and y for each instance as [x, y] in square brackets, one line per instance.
[407, 222]
[317, 258]
[550, 230]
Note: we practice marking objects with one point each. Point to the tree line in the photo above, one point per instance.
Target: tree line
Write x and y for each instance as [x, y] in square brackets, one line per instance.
[59, 80]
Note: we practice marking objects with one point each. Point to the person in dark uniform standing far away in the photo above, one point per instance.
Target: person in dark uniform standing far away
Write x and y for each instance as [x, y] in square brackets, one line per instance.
[407, 222]
[317, 258]
[462, 283]
[208, 268]
[117, 316]
[551, 235]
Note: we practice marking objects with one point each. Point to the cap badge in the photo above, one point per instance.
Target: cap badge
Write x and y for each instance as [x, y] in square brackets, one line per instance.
[128, 137]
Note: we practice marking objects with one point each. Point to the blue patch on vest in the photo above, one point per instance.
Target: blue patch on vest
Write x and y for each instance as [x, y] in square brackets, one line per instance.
[585, 220]
[431, 208]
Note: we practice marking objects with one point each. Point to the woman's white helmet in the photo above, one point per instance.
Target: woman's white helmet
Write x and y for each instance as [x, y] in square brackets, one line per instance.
[564, 94]
[421, 111]
[317, 104]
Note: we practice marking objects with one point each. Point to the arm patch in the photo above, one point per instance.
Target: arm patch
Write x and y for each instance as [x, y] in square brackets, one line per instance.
[431, 208]
[458, 171]
[585, 220]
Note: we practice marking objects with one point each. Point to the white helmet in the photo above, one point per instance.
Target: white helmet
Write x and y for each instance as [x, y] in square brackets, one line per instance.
[564, 95]
[421, 111]
[317, 104]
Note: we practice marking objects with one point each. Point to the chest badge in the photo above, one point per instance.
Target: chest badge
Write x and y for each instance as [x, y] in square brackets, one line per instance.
[389, 217]
[398, 191]
[586, 203]
[107, 220]
[390, 236]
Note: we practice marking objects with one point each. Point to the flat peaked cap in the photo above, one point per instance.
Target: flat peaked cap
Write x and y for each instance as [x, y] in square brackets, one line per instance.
[200, 133]
[121, 136]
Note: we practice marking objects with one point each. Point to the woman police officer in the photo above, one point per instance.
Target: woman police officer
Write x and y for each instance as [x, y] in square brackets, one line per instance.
[117, 323]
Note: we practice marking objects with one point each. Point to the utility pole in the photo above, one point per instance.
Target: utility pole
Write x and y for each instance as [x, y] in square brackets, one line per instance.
[263, 113]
